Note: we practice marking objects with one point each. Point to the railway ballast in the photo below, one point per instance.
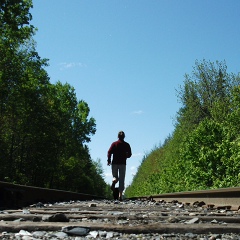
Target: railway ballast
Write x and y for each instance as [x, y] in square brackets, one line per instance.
[36, 213]
[129, 219]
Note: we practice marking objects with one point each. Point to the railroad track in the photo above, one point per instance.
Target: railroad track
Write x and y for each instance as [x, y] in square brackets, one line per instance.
[16, 196]
[152, 217]
[218, 198]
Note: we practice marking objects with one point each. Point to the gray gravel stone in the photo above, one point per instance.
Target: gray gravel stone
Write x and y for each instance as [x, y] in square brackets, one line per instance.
[191, 221]
[77, 231]
[39, 234]
[167, 213]
[61, 235]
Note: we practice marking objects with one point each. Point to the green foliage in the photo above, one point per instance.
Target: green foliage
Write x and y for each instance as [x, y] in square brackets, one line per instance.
[148, 171]
[203, 151]
[206, 94]
[198, 160]
[15, 20]
[43, 127]
[210, 157]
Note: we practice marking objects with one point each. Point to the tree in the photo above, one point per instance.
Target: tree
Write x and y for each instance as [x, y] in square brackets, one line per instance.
[206, 93]
[15, 19]
[43, 127]
[203, 151]
[73, 129]
[22, 84]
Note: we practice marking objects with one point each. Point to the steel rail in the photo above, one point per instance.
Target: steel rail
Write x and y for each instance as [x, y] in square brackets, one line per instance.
[15, 195]
[223, 197]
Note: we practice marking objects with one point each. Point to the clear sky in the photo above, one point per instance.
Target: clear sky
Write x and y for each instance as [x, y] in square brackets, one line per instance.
[127, 58]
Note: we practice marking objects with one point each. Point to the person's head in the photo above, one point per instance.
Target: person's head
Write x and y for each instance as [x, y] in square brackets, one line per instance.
[121, 135]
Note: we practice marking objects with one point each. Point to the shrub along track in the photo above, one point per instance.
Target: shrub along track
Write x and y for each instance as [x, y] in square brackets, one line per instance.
[138, 215]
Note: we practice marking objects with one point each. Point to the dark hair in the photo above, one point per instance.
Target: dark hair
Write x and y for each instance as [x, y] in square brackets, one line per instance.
[121, 135]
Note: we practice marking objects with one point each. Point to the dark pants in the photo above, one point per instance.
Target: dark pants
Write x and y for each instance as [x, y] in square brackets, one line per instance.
[118, 172]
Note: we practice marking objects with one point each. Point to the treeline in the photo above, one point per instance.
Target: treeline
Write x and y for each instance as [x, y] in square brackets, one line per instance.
[44, 128]
[203, 152]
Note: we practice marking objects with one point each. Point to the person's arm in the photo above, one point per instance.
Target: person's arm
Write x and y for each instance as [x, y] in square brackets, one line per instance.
[129, 151]
[109, 154]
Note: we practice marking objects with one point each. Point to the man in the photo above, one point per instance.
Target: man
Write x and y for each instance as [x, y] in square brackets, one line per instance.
[120, 150]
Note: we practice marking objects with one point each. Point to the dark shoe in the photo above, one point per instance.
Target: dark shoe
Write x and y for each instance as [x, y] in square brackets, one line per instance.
[113, 184]
[115, 193]
[120, 199]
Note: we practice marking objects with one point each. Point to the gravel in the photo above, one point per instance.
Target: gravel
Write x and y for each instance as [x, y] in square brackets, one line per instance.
[144, 211]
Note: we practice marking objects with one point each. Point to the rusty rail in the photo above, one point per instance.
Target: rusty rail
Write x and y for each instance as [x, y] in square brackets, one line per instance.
[223, 197]
[15, 196]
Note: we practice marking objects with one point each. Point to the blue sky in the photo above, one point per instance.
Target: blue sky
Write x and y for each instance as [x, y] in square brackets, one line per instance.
[127, 58]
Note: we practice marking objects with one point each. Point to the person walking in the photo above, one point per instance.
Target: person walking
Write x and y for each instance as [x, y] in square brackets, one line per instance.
[120, 150]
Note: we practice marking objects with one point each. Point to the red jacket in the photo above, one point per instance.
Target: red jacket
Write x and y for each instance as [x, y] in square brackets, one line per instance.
[120, 150]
